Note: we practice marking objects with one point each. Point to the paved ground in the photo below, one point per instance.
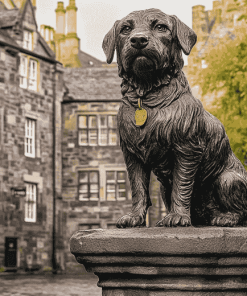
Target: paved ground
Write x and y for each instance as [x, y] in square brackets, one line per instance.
[49, 285]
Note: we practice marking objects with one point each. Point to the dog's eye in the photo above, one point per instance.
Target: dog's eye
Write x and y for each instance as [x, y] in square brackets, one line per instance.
[161, 28]
[126, 29]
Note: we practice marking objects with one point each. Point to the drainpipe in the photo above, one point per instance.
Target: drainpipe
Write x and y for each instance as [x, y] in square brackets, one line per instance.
[54, 260]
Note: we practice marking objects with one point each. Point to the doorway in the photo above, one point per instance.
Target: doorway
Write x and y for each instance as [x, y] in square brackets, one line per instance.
[11, 252]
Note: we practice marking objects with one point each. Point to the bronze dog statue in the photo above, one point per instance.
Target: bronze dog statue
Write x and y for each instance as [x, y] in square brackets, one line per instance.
[164, 129]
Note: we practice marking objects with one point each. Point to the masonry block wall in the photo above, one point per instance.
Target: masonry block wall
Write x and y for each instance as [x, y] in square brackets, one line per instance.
[16, 106]
[210, 26]
[90, 106]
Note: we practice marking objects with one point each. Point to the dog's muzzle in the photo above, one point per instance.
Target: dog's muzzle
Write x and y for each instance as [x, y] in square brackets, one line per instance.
[139, 41]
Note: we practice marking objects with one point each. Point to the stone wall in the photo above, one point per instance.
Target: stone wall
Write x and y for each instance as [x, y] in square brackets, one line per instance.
[16, 104]
[94, 91]
[89, 214]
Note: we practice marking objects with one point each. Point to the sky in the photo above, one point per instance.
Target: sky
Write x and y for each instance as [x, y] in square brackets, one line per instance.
[95, 18]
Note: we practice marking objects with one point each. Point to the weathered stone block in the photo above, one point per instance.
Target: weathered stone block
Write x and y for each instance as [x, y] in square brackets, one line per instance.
[165, 261]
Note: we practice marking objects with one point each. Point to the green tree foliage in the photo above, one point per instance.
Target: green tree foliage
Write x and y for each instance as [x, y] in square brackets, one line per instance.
[241, 6]
[225, 79]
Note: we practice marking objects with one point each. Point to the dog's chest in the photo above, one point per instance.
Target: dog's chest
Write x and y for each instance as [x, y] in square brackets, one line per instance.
[145, 141]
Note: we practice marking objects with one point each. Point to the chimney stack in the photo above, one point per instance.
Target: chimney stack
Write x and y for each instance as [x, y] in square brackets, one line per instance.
[60, 18]
[71, 10]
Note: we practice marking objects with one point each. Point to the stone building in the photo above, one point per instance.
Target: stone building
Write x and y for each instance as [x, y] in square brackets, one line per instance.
[95, 185]
[96, 190]
[31, 91]
[211, 27]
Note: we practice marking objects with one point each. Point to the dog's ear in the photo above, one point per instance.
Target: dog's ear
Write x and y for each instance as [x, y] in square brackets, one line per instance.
[109, 43]
[186, 36]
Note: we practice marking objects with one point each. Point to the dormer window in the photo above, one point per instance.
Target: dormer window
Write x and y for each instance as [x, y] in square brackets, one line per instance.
[27, 42]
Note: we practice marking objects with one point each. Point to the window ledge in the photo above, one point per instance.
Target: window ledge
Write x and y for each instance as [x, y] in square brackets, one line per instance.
[29, 90]
[30, 156]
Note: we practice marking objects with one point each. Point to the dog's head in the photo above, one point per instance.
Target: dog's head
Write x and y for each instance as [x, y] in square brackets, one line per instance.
[148, 44]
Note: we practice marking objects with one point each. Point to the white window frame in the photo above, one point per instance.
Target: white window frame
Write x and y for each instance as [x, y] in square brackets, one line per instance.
[92, 130]
[28, 40]
[23, 71]
[31, 203]
[32, 79]
[82, 132]
[28, 72]
[115, 182]
[112, 132]
[30, 137]
[104, 134]
[89, 186]
[103, 130]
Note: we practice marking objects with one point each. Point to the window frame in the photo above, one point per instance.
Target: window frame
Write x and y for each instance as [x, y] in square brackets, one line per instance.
[30, 137]
[33, 74]
[30, 205]
[28, 42]
[28, 78]
[104, 133]
[92, 132]
[23, 71]
[88, 183]
[116, 183]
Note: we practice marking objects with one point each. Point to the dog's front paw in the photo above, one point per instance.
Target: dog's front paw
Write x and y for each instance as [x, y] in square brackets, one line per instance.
[131, 220]
[226, 219]
[173, 220]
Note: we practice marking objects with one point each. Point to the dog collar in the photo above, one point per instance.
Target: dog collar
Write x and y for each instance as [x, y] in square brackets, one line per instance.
[140, 114]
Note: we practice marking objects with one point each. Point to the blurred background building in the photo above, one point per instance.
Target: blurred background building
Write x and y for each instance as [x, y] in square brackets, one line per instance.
[211, 27]
[31, 86]
[58, 136]
[58, 140]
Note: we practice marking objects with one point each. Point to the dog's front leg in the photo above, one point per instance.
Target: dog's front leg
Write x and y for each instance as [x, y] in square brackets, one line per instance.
[186, 164]
[139, 177]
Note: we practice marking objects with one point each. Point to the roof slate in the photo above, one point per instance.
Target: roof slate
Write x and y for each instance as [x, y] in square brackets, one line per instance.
[6, 38]
[8, 17]
[46, 46]
[86, 58]
[88, 84]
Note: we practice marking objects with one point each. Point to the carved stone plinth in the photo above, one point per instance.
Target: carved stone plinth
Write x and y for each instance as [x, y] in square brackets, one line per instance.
[165, 261]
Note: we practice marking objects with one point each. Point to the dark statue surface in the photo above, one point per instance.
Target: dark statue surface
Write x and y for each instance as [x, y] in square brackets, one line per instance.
[203, 182]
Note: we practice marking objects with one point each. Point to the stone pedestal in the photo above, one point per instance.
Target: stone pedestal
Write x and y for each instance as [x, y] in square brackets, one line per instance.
[206, 261]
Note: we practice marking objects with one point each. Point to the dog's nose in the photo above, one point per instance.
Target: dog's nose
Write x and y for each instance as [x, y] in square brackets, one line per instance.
[139, 41]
